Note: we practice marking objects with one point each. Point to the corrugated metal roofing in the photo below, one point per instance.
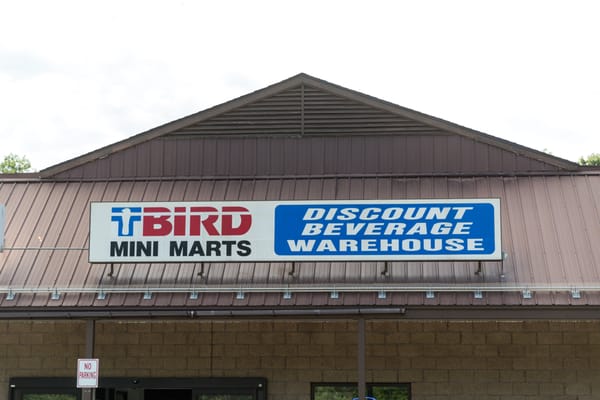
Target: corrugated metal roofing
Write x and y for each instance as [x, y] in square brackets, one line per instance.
[549, 229]
[304, 139]
[306, 126]
[279, 156]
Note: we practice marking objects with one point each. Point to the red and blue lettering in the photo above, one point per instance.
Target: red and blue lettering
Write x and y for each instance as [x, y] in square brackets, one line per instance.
[183, 221]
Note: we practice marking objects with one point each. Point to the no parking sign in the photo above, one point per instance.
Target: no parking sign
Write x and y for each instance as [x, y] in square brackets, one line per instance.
[87, 372]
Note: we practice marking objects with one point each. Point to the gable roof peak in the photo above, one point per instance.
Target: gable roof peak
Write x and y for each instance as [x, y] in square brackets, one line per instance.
[300, 80]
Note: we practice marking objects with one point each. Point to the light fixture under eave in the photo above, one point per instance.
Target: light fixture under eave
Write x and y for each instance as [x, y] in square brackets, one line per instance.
[10, 295]
[240, 295]
[55, 295]
[148, 295]
[382, 294]
[287, 295]
[194, 295]
[527, 294]
[430, 294]
[575, 293]
[478, 294]
[334, 295]
[101, 295]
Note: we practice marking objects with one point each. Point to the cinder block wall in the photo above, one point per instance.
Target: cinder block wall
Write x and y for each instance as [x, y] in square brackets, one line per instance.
[442, 360]
[31, 348]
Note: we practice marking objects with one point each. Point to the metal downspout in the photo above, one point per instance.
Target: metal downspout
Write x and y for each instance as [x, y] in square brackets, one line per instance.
[362, 369]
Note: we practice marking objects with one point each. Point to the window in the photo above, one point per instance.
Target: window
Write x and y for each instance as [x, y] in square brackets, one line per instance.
[48, 396]
[141, 389]
[349, 391]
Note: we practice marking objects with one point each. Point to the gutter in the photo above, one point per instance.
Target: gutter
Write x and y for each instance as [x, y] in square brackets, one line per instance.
[198, 313]
[526, 290]
[195, 313]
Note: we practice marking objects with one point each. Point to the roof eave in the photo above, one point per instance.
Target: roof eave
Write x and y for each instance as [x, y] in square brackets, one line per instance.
[21, 176]
[472, 313]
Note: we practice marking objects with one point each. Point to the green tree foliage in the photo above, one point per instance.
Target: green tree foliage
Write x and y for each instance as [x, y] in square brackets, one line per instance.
[591, 160]
[14, 164]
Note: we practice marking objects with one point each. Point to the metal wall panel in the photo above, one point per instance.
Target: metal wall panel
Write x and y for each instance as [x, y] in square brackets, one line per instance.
[549, 224]
[292, 156]
[305, 131]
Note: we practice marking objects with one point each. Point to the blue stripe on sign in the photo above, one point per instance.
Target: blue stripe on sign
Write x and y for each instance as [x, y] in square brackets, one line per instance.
[421, 229]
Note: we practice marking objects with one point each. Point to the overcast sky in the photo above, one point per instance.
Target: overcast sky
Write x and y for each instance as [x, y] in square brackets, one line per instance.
[79, 75]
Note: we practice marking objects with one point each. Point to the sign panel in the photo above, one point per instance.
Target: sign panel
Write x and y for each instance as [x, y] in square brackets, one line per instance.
[295, 231]
[87, 372]
[1, 227]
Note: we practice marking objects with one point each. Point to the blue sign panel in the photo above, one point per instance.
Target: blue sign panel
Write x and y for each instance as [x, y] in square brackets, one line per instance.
[405, 230]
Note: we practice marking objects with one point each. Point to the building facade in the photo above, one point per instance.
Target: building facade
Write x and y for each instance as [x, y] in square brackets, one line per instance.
[521, 325]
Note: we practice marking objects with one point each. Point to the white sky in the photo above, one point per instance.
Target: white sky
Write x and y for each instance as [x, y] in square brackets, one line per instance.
[79, 75]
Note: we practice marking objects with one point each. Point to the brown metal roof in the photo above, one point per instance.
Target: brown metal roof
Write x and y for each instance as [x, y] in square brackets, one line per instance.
[304, 139]
[306, 126]
[317, 156]
[549, 228]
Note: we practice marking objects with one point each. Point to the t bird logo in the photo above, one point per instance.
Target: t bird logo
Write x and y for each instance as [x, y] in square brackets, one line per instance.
[178, 221]
[125, 217]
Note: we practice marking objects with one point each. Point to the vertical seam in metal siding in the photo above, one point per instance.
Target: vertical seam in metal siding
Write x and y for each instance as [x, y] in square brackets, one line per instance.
[539, 226]
[19, 231]
[595, 206]
[302, 110]
[553, 219]
[586, 243]
[569, 220]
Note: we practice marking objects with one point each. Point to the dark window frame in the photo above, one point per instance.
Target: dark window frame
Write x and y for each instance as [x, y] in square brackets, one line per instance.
[18, 387]
[25, 385]
[369, 387]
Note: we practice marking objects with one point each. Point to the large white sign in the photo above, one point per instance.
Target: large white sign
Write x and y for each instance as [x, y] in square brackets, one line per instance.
[295, 231]
[87, 372]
